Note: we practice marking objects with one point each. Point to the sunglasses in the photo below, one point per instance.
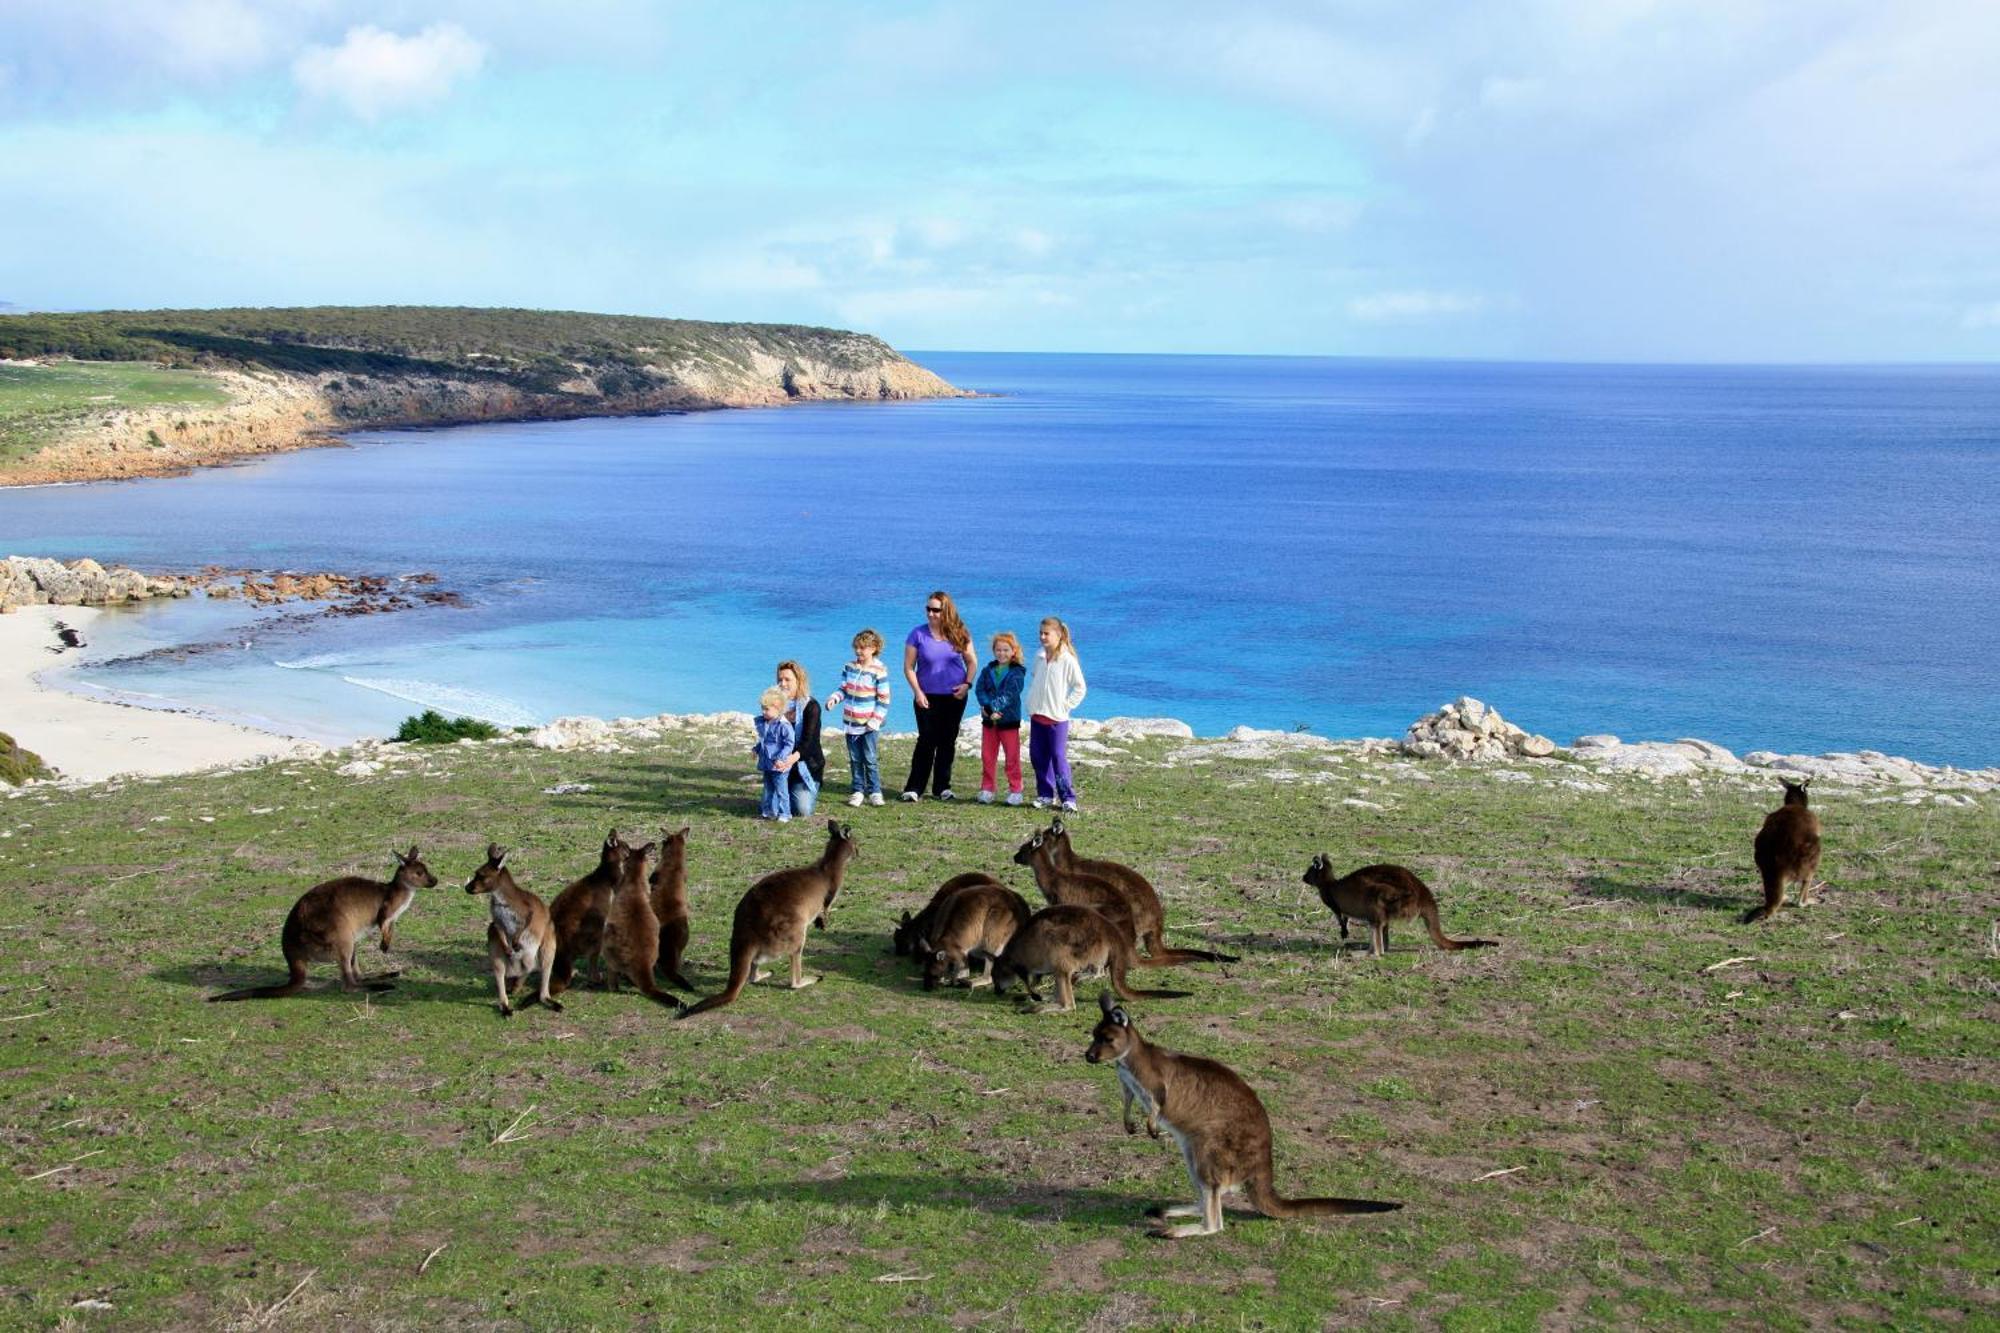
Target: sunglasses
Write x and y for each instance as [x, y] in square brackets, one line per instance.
[934, 610]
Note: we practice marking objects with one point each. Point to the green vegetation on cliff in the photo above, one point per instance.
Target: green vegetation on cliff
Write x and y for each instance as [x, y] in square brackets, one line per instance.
[533, 350]
[38, 401]
[1632, 1113]
[18, 765]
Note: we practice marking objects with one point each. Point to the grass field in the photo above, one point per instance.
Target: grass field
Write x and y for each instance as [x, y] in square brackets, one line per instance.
[1593, 1124]
[36, 402]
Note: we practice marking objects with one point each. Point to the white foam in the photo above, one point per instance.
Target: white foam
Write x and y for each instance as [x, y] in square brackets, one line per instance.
[450, 699]
[317, 662]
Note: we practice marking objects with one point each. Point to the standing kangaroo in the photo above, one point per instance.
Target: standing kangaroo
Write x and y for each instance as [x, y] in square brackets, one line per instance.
[329, 919]
[976, 922]
[670, 905]
[1062, 941]
[521, 938]
[1077, 889]
[578, 912]
[1217, 1121]
[1787, 850]
[1378, 895]
[772, 918]
[632, 932]
[903, 939]
[1147, 914]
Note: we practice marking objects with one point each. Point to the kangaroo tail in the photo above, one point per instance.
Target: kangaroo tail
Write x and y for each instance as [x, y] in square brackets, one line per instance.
[1118, 966]
[292, 987]
[1444, 941]
[742, 961]
[1774, 895]
[1159, 955]
[651, 990]
[1264, 1194]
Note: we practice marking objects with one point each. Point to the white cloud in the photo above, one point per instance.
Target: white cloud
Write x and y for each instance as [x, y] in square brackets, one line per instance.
[1389, 307]
[374, 72]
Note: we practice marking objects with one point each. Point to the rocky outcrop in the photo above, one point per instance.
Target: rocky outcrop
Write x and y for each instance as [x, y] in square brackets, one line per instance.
[31, 581]
[1470, 731]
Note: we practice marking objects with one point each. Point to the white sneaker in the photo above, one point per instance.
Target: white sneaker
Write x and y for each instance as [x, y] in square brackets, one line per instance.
[1013, 798]
[784, 819]
[856, 799]
[1041, 803]
[874, 798]
[985, 798]
[947, 795]
[910, 796]
[1070, 806]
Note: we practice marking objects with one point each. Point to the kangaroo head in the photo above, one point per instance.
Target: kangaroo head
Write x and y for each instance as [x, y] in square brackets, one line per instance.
[1317, 872]
[1113, 1037]
[493, 874]
[634, 868]
[673, 853]
[1795, 792]
[411, 872]
[611, 856]
[937, 965]
[903, 938]
[1007, 975]
[1031, 850]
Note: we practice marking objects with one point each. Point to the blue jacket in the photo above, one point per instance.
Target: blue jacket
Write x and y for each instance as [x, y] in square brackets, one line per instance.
[774, 742]
[1000, 692]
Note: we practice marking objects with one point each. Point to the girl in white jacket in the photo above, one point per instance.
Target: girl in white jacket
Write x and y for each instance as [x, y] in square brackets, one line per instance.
[1053, 695]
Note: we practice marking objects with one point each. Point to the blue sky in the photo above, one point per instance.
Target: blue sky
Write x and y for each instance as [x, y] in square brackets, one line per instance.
[1588, 179]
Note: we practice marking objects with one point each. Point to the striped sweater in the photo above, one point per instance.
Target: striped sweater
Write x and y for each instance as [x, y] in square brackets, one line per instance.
[863, 697]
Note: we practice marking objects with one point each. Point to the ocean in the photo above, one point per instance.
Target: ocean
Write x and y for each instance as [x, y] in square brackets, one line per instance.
[1798, 559]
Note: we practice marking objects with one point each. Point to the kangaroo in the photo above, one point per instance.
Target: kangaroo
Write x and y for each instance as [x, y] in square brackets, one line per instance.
[908, 930]
[521, 938]
[578, 912]
[976, 922]
[772, 918]
[329, 919]
[1075, 888]
[1061, 941]
[1787, 850]
[670, 905]
[1217, 1120]
[1378, 895]
[632, 932]
[1147, 914]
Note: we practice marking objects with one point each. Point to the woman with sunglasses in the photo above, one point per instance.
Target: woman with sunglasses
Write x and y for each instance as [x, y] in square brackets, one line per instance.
[938, 661]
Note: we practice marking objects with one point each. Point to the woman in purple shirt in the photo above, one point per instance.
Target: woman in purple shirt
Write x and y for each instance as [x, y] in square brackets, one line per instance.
[938, 662]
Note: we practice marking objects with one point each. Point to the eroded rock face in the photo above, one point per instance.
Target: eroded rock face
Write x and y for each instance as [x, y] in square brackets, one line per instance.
[35, 581]
[1469, 731]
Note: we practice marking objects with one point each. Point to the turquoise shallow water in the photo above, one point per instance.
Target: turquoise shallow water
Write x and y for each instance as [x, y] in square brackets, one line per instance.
[1787, 558]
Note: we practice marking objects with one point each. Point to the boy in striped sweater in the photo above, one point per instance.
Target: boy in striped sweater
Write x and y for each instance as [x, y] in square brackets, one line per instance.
[863, 701]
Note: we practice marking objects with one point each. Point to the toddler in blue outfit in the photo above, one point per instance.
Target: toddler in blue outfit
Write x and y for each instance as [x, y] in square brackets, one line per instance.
[775, 739]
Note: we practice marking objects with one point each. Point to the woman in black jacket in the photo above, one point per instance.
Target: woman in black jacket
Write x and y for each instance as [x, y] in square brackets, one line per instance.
[806, 764]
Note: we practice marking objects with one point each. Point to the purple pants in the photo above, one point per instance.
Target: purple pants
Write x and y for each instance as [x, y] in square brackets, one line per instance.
[1048, 751]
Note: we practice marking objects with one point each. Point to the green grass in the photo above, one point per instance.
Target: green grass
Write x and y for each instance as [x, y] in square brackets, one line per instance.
[36, 402]
[1801, 1140]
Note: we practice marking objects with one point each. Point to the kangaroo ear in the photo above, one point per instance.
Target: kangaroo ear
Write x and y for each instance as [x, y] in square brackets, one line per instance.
[938, 954]
[493, 852]
[923, 945]
[611, 839]
[498, 856]
[1105, 1002]
[905, 921]
[1056, 830]
[644, 852]
[685, 830]
[1118, 1017]
[1035, 841]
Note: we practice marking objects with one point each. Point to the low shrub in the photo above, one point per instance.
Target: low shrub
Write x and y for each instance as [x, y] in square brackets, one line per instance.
[431, 727]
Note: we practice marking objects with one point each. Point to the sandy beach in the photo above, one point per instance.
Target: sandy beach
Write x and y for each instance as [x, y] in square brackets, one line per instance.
[90, 739]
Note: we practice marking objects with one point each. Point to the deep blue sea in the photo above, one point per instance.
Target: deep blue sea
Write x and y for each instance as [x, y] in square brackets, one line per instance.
[1781, 558]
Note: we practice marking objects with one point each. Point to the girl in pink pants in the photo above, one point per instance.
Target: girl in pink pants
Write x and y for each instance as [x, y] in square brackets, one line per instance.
[999, 695]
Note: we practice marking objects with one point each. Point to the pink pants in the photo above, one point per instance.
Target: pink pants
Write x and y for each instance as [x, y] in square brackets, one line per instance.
[991, 741]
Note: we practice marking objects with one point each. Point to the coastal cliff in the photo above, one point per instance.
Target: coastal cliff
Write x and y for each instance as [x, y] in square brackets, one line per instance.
[297, 378]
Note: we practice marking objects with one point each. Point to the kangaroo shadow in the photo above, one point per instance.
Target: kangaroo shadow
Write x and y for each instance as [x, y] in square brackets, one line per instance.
[1604, 887]
[460, 972]
[1001, 1197]
[665, 791]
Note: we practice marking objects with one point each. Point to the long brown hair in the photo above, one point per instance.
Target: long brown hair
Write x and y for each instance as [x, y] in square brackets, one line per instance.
[798, 674]
[955, 631]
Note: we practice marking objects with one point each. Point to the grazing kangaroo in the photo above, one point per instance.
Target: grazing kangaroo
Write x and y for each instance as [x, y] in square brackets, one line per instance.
[1787, 850]
[670, 905]
[1076, 889]
[632, 932]
[1378, 895]
[772, 918]
[521, 938]
[1062, 941]
[1218, 1122]
[578, 912]
[908, 930]
[976, 922]
[1147, 914]
[329, 919]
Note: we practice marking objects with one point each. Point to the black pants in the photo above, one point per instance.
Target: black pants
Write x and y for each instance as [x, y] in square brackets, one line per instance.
[937, 740]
